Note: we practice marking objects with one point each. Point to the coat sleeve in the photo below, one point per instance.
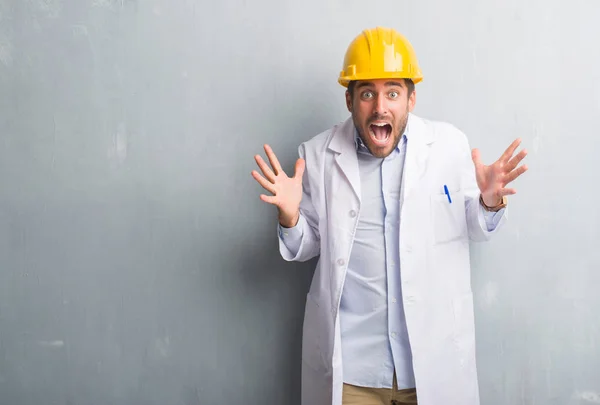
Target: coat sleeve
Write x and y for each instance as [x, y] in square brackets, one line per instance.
[302, 242]
[480, 223]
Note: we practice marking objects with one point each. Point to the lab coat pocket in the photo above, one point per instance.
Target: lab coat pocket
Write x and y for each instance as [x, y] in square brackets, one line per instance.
[449, 218]
[311, 336]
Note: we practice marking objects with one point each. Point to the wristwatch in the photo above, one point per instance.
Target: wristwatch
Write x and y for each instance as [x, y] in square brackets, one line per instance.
[495, 208]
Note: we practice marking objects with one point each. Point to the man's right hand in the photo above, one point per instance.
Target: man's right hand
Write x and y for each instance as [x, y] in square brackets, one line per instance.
[287, 191]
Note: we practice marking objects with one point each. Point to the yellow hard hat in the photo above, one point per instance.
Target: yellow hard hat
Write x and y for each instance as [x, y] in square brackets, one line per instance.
[380, 53]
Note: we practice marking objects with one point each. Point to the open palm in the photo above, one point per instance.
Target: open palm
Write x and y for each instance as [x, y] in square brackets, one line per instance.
[287, 191]
[493, 179]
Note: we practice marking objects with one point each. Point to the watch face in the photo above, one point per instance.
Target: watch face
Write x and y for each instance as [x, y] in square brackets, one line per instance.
[502, 204]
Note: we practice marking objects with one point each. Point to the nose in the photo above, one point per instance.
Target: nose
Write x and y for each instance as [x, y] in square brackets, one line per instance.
[380, 107]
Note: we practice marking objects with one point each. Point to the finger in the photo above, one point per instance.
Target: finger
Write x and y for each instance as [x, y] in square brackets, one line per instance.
[514, 162]
[273, 160]
[476, 156]
[271, 199]
[510, 150]
[299, 169]
[267, 185]
[265, 168]
[514, 174]
[506, 191]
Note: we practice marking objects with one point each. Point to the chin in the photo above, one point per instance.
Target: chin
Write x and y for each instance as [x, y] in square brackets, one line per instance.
[378, 151]
[382, 153]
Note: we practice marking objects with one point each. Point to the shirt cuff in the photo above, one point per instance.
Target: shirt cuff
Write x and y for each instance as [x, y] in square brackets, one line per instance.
[292, 237]
[491, 218]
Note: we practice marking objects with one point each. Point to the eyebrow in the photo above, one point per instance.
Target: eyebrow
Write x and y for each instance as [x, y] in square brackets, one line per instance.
[388, 84]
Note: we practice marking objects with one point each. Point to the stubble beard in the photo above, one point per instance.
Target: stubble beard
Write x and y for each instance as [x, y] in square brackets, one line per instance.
[366, 137]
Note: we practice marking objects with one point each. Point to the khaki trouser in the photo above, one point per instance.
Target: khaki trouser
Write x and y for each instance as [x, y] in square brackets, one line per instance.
[353, 395]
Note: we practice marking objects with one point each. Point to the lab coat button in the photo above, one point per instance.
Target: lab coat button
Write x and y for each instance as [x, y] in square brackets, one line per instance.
[352, 214]
[341, 262]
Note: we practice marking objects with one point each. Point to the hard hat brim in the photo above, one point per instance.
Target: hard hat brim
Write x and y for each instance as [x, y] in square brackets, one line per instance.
[345, 80]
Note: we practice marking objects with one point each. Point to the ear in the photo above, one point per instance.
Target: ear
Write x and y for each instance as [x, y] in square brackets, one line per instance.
[412, 100]
[348, 101]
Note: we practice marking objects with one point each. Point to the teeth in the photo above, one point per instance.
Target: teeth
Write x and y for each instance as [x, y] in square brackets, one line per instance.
[380, 125]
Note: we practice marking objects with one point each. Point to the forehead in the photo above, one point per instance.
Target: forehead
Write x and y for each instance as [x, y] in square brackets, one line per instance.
[381, 83]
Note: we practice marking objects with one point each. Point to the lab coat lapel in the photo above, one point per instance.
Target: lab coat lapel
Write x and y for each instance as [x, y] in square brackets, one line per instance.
[419, 139]
[343, 144]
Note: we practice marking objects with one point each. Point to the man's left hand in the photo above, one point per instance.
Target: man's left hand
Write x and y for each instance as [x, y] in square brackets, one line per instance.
[493, 179]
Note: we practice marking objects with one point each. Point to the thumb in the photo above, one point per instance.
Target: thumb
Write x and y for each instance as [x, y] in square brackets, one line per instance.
[476, 157]
[299, 169]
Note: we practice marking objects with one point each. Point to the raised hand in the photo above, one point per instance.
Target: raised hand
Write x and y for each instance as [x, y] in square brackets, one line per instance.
[493, 179]
[287, 191]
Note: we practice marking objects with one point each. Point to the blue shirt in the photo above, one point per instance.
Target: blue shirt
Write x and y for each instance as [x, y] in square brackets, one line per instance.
[374, 337]
[373, 327]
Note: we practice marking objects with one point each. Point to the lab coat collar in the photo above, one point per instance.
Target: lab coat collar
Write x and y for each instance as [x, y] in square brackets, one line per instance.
[418, 140]
[344, 141]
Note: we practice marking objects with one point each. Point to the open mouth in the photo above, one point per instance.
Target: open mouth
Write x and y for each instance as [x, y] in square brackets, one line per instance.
[380, 133]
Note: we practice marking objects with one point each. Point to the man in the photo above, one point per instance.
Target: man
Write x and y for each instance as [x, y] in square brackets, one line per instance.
[389, 202]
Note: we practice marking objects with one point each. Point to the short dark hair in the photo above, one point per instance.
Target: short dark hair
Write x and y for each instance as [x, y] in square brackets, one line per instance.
[410, 85]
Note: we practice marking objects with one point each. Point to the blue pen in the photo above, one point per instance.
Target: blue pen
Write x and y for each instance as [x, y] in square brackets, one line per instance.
[447, 193]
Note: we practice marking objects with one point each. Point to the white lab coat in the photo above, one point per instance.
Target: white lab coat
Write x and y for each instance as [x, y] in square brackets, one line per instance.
[434, 257]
